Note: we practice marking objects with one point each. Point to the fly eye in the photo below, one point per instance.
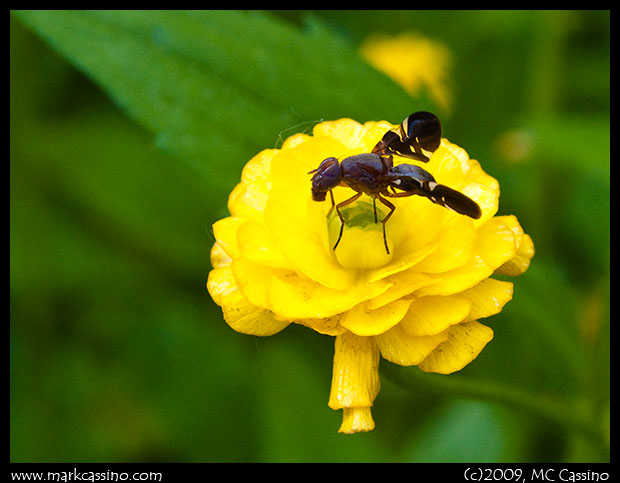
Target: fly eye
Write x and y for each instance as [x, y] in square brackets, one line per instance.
[426, 128]
[326, 176]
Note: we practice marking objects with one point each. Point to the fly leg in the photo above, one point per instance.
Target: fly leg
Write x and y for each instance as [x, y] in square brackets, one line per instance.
[392, 208]
[340, 205]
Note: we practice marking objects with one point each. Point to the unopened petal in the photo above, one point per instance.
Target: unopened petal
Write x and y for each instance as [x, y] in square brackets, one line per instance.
[355, 376]
[356, 420]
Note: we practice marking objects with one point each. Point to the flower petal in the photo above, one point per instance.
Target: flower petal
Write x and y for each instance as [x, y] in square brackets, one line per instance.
[299, 298]
[403, 283]
[494, 246]
[347, 131]
[521, 261]
[433, 314]
[453, 167]
[496, 242]
[225, 233]
[298, 225]
[355, 375]
[525, 249]
[465, 342]
[292, 296]
[327, 325]
[488, 298]
[249, 197]
[255, 243]
[455, 245]
[398, 347]
[219, 258]
[457, 280]
[238, 312]
[362, 321]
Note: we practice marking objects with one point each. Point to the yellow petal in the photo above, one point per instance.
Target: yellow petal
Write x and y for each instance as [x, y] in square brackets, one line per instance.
[412, 61]
[253, 280]
[297, 223]
[496, 242]
[452, 166]
[524, 252]
[488, 298]
[355, 377]
[328, 325]
[292, 296]
[434, 314]
[494, 246]
[513, 223]
[299, 298]
[521, 261]
[455, 245]
[465, 342]
[240, 314]
[347, 131]
[225, 233]
[294, 140]
[219, 258]
[362, 321]
[372, 133]
[457, 280]
[356, 420]
[221, 284]
[398, 347]
[255, 243]
[413, 229]
[359, 247]
[400, 264]
[403, 283]
[249, 197]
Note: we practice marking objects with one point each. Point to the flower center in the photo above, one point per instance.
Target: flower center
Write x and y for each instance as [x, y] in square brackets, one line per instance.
[361, 245]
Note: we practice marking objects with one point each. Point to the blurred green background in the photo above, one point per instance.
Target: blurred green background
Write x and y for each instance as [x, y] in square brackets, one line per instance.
[128, 131]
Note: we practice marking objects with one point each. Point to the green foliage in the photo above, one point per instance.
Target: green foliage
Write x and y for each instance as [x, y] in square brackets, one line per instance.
[117, 352]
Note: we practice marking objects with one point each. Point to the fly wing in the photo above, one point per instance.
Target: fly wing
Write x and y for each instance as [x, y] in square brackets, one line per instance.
[414, 180]
[444, 196]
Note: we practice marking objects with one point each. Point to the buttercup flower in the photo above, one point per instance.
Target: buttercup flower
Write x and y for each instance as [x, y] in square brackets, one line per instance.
[412, 61]
[418, 305]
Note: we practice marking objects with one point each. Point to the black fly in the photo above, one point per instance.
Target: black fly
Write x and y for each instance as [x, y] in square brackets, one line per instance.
[375, 174]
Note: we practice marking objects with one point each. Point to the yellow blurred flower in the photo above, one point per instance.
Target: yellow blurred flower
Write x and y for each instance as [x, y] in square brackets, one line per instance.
[413, 62]
[273, 264]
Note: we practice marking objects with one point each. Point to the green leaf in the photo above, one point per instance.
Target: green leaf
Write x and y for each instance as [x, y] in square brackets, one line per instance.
[217, 86]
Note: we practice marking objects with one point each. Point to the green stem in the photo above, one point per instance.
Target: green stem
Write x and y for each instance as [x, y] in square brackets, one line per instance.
[561, 413]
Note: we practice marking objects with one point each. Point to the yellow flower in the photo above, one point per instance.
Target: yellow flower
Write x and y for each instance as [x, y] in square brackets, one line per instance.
[273, 263]
[412, 61]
